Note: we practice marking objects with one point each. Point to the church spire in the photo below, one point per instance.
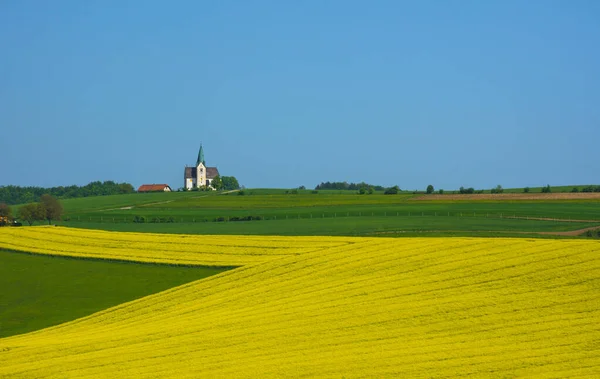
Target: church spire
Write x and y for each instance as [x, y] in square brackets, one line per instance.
[200, 157]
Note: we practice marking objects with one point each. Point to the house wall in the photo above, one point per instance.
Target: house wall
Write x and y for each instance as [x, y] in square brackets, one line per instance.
[189, 183]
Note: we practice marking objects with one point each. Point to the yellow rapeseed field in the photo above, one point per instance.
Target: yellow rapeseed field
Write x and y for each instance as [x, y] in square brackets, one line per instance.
[328, 307]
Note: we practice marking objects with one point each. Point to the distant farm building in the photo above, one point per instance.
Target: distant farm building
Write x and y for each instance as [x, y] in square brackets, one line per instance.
[199, 175]
[154, 188]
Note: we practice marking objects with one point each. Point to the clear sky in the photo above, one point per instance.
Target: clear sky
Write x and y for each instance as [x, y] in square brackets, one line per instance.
[288, 93]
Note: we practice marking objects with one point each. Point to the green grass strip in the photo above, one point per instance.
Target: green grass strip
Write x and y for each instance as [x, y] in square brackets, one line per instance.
[41, 291]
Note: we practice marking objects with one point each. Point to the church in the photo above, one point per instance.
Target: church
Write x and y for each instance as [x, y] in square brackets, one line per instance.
[199, 175]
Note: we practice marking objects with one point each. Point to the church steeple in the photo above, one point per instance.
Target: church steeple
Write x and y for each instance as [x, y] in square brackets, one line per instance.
[200, 157]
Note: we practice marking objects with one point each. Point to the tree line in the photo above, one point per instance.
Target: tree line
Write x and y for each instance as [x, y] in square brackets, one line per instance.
[19, 195]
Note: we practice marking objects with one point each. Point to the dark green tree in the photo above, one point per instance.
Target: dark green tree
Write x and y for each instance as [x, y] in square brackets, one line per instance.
[430, 189]
[230, 183]
[217, 183]
[126, 188]
[52, 206]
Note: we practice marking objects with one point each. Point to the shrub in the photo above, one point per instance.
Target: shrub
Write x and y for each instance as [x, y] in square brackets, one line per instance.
[575, 189]
[241, 193]
[497, 189]
[441, 191]
[314, 192]
[139, 219]
[591, 189]
[526, 190]
[546, 189]
[392, 190]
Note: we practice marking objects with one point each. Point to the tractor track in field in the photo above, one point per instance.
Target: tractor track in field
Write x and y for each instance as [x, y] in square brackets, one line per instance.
[549, 219]
[158, 202]
[571, 233]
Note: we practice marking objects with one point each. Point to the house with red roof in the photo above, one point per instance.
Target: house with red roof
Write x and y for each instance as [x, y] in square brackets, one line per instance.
[154, 188]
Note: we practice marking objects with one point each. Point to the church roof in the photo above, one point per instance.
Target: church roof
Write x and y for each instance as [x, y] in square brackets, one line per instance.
[190, 172]
[211, 172]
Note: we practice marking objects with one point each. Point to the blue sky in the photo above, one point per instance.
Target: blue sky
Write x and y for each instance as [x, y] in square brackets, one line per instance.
[288, 93]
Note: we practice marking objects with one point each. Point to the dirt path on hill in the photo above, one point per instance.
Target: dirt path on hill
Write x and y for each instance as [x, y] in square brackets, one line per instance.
[571, 232]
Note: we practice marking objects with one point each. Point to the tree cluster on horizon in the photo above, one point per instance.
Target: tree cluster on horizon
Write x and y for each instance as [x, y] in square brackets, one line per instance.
[20, 195]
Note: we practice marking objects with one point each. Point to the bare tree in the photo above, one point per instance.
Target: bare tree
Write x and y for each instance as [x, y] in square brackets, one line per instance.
[53, 207]
[31, 212]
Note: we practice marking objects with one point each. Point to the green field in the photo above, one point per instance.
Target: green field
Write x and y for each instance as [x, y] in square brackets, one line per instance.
[325, 213]
[351, 226]
[53, 290]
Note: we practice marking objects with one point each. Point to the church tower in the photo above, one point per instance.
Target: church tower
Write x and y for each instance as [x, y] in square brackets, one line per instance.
[200, 168]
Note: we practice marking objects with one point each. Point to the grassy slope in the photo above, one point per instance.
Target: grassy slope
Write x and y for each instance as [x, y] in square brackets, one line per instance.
[368, 213]
[53, 290]
[117, 201]
[348, 226]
